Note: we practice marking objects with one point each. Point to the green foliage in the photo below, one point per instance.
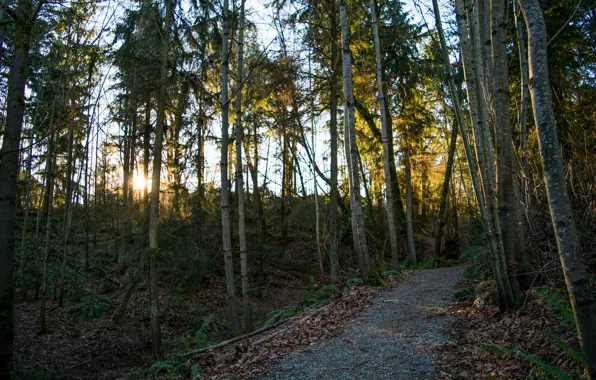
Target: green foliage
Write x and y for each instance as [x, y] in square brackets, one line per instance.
[558, 302]
[480, 267]
[464, 293]
[312, 296]
[157, 367]
[373, 278]
[171, 368]
[472, 252]
[351, 282]
[91, 307]
[195, 370]
[569, 351]
[546, 368]
[280, 314]
[201, 335]
[431, 262]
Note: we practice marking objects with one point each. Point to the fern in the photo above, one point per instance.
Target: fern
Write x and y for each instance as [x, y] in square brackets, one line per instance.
[558, 302]
[160, 366]
[545, 366]
[569, 351]
[195, 370]
[279, 314]
[201, 334]
[91, 307]
[351, 282]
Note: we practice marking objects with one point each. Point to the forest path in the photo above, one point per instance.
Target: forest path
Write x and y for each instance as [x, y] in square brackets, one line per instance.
[395, 338]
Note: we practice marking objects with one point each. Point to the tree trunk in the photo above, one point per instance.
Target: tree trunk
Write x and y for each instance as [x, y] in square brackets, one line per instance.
[9, 168]
[471, 53]
[67, 212]
[509, 202]
[155, 189]
[445, 191]
[576, 277]
[351, 147]
[386, 142]
[398, 207]
[409, 212]
[525, 97]
[223, 167]
[124, 236]
[333, 193]
[146, 153]
[178, 120]
[27, 208]
[246, 309]
[50, 167]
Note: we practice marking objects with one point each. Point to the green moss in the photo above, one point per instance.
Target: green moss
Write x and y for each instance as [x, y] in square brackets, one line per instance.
[373, 278]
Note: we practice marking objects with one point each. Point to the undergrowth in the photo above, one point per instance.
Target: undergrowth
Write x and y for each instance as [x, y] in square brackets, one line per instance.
[558, 303]
[542, 370]
[313, 295]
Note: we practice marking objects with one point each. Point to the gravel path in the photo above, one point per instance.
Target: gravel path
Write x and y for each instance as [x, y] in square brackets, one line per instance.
[394, 339]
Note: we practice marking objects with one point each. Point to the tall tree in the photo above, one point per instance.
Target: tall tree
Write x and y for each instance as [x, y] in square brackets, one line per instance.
[351, 147]
[386, 142]
[223, 168]
[333, 192]
[24, 18]
[155, 187]
[246, 311]
[574, 269]
[508, 189]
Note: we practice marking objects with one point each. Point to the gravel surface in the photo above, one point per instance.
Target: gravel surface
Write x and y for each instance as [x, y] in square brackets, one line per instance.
[394, 339]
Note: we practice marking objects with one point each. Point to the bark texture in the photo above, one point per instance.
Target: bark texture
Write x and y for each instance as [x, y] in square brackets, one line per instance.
[223, 168]
[246, 310]
[574, 269]
[351, 147]
[386, 142]
[9, 167]
[156, 345]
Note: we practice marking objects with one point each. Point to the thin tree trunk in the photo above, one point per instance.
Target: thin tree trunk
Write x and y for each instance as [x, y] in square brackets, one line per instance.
[178, 119]
[576, 277]
[146, 153]
[509, 204]
[313, 160]
[38, 221]
[246, 309]
[333, 193]
[9, 167]
[47, 247]
[445, 191]
[124, 237]
[27, 207]
[155, 189]
[386, 142]
[525, 97]
[398, 207]
[471, 52]
[67, 212]
[409, 212]
[351, 147]
[86, 185]
[223, 167]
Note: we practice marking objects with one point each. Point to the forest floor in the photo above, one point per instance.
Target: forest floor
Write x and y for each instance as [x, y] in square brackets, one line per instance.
[419, 326]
